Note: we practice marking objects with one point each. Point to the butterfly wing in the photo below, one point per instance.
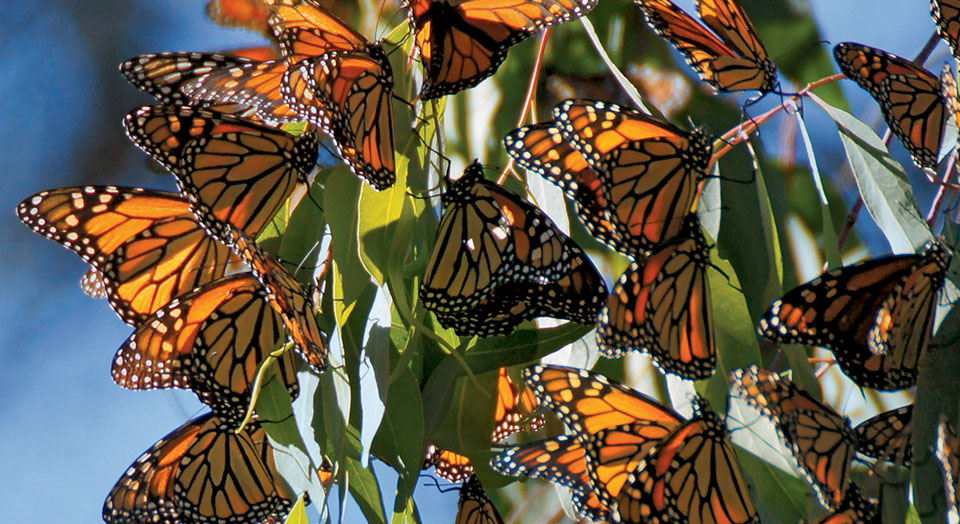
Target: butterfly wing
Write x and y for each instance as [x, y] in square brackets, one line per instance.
[288, 298]
[447, 464]
[855, 509]
[256, 85]
[543, 149]
[691, 475]
[499, 260]
[663, 307]
[561, 460]
[874, 315]
[92, 283]
[888, 436]
[649, 169]
[723, 64]
[235, 171]
[512, 407]
[147, 244]
[351, 100]
[463, 43]
[909, 96]
[201, 472]
[820, 439]
[588, 402]
[946, 13]
[306, 29]
[212, 341]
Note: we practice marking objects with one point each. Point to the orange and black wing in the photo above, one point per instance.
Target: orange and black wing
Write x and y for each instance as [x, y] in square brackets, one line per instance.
[909, 96]
[463, 43]
[288, 297]
[212, 341]
[228, 84]
[736, 61]
[232, 170]
[543, 149]
[888, 436]
[946, 13]
[447, 464]
[561, 460]
[663, 307]
[474, 506]
[201, 472]
[820, 439]
[512, 407]
[350, 96]
[875, 316]
[649, 169]
[692, 475]
[589, 402]
[147, 244]
[499, 260]
[306, 29]
[854, 509]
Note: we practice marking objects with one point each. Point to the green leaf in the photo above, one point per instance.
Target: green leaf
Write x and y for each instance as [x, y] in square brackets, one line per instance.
[882, 182]
[830, 246]
[300, 244]
[363, 485]
[383, 244]
[523, 346]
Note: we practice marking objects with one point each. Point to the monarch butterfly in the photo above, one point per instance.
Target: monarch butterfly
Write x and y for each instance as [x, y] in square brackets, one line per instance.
[237, 171]
[888, 436]
[645, 461]
[201, 472]
[463, 42]
[499, 260]
[819, 438]
[909, 96]
[147, 244]
[854, 509]
[736, 61]
[663, 307]
[248, 14]
[561, 460]
[649, 170]
[474, 506]
[946, 13]
[248, 88]
[447, 464]
[287, 297]
[512, 406]
[212, 341]
[341, 83]
[948, 454]
[876, 316]
[543, 149]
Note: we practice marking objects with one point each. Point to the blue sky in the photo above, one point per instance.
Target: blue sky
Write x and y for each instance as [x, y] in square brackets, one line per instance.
[68, 431]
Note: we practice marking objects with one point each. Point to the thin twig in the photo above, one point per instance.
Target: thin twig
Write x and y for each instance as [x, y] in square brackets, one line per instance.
[528, 100]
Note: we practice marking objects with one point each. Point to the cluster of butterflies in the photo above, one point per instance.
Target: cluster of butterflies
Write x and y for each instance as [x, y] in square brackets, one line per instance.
[633, 182]
[631, 460]
[167, 264]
